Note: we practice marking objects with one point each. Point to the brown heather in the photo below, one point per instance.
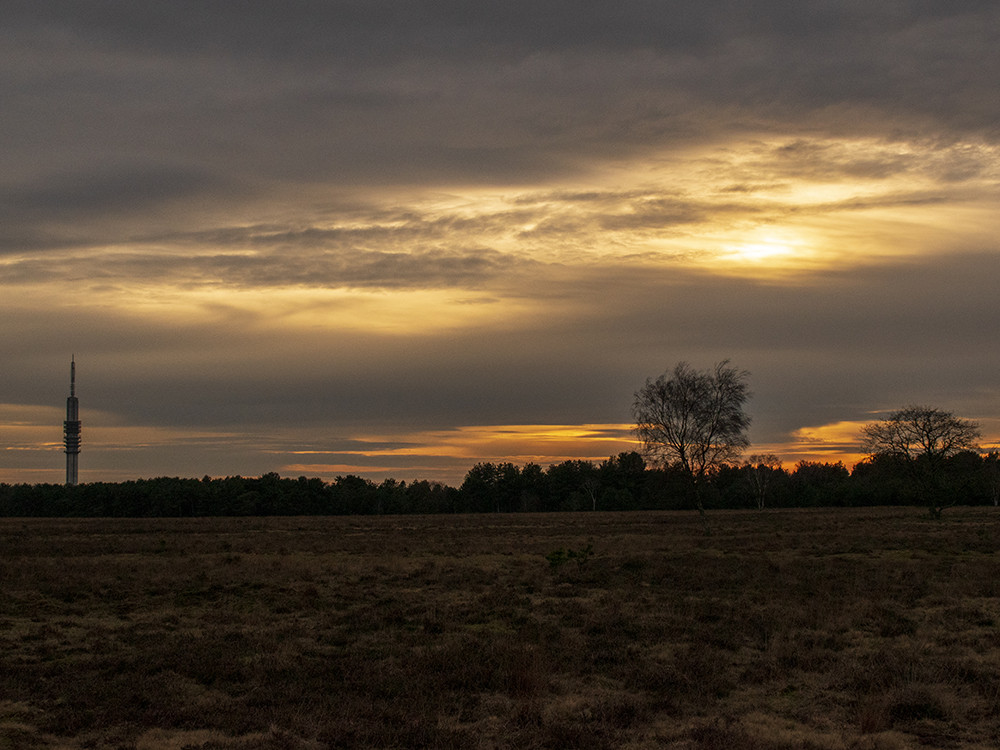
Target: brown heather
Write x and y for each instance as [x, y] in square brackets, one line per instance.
[819, 629]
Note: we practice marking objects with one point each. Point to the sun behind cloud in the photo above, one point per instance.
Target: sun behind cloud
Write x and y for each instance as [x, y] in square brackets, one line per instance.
[771, 248]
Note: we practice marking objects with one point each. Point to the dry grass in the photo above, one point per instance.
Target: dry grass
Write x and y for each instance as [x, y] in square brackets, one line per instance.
[869, 629]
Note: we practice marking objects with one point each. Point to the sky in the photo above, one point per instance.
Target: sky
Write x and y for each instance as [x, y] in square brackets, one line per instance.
[395, 239]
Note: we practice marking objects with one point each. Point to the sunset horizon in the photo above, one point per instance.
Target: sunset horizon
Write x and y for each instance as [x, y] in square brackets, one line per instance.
[445, 456]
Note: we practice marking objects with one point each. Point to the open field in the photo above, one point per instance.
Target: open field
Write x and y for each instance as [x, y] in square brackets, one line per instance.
[836, 628]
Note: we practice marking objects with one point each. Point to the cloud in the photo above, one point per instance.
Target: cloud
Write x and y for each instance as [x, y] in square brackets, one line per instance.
[104, 190]
[386, 94]
[180, 231]
[61, 210]
[326, 269]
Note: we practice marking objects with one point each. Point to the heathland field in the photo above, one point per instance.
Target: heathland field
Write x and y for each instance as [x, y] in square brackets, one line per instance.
[834, 628]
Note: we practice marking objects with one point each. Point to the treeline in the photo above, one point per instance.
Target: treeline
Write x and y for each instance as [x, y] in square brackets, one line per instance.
[623, 482]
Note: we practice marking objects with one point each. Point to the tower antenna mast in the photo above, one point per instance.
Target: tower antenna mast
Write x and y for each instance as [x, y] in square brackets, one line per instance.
[71, 427]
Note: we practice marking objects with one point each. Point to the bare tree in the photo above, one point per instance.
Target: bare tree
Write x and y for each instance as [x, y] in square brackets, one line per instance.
[591, 486]
[694, 420]
[760, 469]
[922, 438]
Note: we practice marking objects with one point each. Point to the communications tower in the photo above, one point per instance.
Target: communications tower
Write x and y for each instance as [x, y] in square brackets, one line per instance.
[71, 427]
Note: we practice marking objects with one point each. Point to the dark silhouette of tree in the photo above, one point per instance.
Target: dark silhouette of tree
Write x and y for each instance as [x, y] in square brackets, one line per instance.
[432, 497]
[760, 470]
[922, 438]
[481, 490]
[961, 477]
[884, 479]
[991, 475]
[391, 498]
[534, 488]
[693, 419]
[354, 495]
[816, 483]
[573, 485]
[623, 480]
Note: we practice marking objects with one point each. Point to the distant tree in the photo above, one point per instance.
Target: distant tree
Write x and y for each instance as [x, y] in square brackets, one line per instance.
[491, 488]
[820, 483]
[623, 478]
[991, 473]
[592, 486]
[923, 439]
[962, 477]
[884, 479]
[431, 497]
[391, 497]
[760, 469]
[694, 420]
[353, 495]
[534, 488]
[572, 486]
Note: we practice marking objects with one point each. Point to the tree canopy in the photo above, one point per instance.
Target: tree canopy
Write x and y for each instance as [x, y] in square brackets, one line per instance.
[922, 438]
[693, 419]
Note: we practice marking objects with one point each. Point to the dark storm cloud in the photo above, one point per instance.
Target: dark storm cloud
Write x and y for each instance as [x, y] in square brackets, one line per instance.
[307, 28]
[101, 191]
[369, 29]
[388, 92]
[58, 211]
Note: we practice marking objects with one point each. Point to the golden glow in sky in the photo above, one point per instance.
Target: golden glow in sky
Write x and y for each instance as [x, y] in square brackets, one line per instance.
[486, 261]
